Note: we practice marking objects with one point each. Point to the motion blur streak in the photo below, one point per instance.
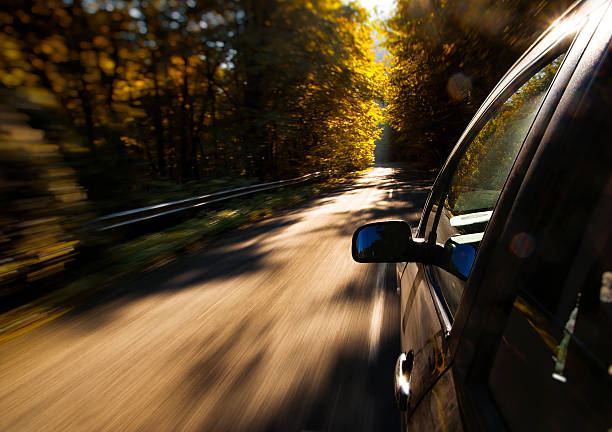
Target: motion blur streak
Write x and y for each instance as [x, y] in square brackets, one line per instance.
[267, 330]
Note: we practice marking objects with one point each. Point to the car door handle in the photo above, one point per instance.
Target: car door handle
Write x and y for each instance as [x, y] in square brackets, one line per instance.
[403, 379]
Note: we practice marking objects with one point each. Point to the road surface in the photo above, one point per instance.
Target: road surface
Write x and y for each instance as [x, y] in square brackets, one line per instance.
[273, 328]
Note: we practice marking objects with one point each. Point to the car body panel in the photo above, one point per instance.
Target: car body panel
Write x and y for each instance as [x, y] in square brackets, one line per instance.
[425, 319]
[421, 332]
[573, 125]
[437, 412]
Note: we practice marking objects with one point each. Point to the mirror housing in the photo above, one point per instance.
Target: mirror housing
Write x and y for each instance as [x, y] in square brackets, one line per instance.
[391, 241]
[381, 242]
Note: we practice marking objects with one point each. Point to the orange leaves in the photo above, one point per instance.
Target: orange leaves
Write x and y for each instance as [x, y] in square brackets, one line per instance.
[100, 41]
[305, 66]
[177, 61]
[63, 18]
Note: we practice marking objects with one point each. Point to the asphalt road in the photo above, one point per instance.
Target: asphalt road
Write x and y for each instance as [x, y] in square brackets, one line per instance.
[273, 328]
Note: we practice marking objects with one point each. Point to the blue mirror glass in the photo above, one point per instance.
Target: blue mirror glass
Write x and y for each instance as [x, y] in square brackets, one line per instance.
[382, 242]
[461, 257]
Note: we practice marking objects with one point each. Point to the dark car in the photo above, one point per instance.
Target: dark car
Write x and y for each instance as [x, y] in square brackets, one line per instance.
[506, 284]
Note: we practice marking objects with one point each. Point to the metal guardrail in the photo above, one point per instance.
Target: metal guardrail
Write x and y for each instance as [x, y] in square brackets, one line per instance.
[128, 217]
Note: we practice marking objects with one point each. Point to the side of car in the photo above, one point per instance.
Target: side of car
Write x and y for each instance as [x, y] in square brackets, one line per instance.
[504, 318]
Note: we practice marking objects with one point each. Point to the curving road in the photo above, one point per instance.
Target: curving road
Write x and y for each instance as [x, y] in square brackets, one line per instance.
[273, 328]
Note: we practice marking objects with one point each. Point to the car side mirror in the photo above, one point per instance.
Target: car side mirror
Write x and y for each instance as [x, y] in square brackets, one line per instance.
[380, 242]
[391, 241]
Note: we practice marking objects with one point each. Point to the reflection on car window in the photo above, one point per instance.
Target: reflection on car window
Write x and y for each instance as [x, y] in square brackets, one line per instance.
[484, 167]
[481, 173]
[554, 364]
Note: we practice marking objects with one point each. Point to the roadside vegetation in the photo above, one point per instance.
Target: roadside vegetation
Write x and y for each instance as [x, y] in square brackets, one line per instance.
[118, 262]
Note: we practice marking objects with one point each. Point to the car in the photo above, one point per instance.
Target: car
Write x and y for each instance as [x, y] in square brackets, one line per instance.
[505, 286]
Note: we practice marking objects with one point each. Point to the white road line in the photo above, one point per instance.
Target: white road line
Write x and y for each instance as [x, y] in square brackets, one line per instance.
[377, 314]
[376, 325]
[390, 193]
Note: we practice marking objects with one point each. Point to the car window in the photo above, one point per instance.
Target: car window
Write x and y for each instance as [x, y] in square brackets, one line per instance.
[553, 369]
[479, 177]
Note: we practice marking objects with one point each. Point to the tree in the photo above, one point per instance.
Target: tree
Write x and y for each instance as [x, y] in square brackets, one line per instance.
[446, 57]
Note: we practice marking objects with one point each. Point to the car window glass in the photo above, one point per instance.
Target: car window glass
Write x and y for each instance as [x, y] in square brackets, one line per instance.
[480, 175]
[553, 368]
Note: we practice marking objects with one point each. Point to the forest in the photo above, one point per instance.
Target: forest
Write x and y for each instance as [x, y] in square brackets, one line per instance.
[196, 88]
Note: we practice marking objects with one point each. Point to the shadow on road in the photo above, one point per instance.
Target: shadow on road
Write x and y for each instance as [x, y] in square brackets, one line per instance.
[282, 355]
[221, 259]
[358, 395]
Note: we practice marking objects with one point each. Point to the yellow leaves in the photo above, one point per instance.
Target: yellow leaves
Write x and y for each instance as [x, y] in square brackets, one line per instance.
[46, 47]
[93, 76]
[194, 61]
[176, 74]
[89, 58]
[55, 48]
[106, 64]
[125, 53]
[58, 81]
[319, 74]
[62, 16]
[15, 70]
[12, 78]
[141, 54]
[23, 17]
[37, 63]
[10, 49]
[130, 142]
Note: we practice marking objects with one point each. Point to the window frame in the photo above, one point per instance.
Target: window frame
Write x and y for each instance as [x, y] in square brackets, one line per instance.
[518, 75]
[446, 173]
[493, 110]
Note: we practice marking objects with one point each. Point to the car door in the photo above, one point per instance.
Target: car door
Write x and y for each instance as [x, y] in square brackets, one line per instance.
[458, 213]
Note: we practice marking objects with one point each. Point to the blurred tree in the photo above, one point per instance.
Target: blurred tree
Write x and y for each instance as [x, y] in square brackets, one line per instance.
[43, 204]
[446, 58]
[161, 91]
[263, 88]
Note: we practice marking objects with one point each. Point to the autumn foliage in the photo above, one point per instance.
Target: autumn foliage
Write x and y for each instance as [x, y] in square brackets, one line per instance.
[446, 56]
[107, 103]
[264, 88]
